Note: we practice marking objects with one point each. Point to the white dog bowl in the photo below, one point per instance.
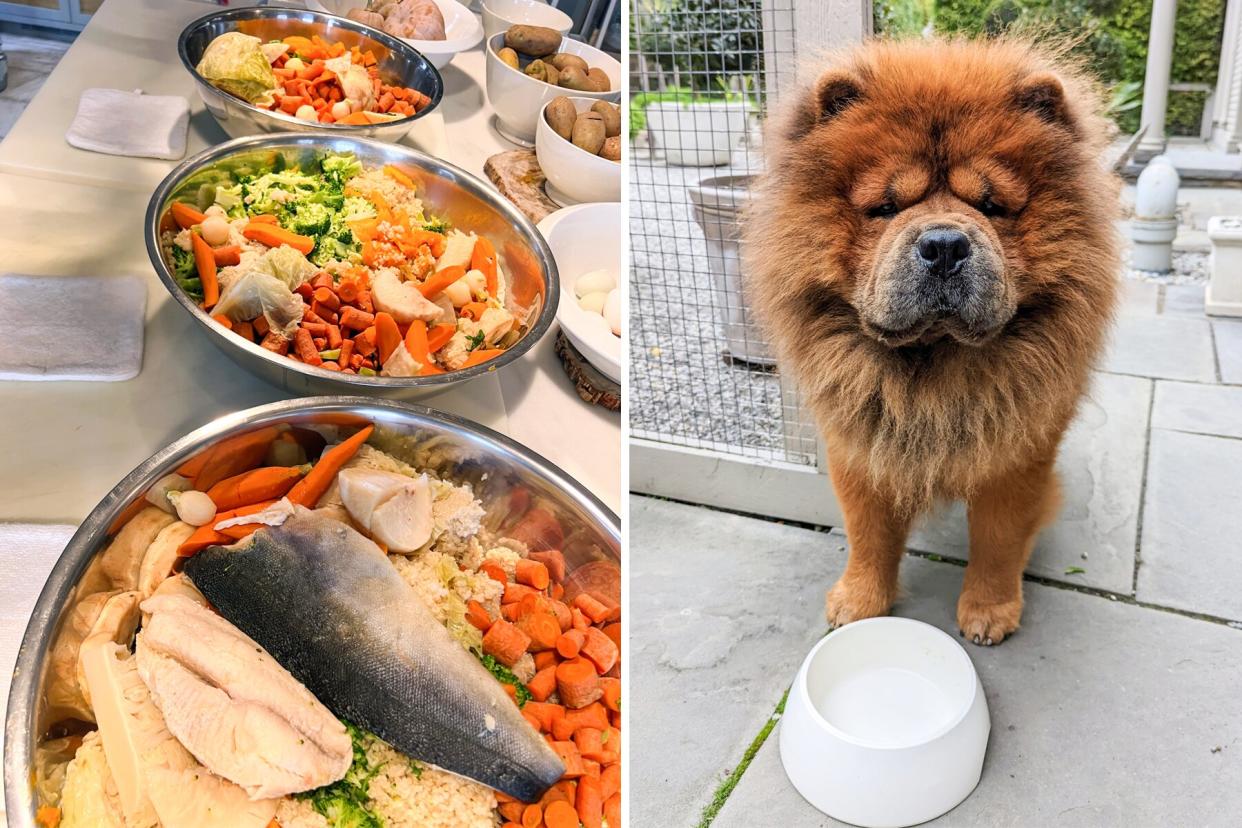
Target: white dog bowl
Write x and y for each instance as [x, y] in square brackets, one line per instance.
[886, 724]
[519, 99]
[574, 175]
[499, 15]
[585, 238]
[462, 29]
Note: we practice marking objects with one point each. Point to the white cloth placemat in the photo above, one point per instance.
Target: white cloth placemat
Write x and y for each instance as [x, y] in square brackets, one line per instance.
[130, 123]
[71, 327]
[27, 553]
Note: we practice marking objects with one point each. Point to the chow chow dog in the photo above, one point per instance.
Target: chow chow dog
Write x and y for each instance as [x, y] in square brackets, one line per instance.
[931, 251]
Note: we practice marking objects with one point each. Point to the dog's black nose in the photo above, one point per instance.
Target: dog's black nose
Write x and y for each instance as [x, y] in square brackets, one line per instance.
[943, 250]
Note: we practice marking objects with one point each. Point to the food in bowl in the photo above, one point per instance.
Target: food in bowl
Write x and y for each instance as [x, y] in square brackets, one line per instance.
[414, 19]
[179, 692]
[338, 266]
[597, 294]
[307, 78]
[596, 131]
[533, 51]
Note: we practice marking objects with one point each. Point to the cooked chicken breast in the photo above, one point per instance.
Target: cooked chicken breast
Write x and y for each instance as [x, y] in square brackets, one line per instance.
[233, 706]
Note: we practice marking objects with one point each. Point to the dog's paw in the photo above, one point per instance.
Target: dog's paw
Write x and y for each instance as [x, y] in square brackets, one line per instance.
[988, 623]
[853, 601]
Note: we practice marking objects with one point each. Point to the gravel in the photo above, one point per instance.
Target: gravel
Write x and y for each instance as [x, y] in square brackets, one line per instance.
[1189, 268]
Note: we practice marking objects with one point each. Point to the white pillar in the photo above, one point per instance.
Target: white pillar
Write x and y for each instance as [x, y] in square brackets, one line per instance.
[1156, 81]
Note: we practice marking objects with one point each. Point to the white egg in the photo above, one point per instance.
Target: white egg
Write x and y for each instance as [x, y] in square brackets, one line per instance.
[593, 302]
[340, 109]
[595, 281]
[612, 311]
[306, 112]
[295, 64]
[215, 230]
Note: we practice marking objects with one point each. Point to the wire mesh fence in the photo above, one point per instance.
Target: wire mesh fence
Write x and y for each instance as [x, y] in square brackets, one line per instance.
[703, 73]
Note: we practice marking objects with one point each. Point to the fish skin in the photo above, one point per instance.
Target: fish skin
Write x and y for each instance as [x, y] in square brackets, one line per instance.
[329, 606]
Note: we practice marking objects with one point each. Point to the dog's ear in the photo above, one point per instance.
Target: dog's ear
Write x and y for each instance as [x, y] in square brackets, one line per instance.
[1043, 95]
[832, 94]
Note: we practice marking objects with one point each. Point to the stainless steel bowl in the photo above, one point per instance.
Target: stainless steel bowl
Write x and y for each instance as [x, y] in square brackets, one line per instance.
[399, 64]
[446, 191]
[503, 474]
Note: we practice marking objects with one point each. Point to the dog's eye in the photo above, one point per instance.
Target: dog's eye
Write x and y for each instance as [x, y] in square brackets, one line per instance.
[886, 210]
[991, 209]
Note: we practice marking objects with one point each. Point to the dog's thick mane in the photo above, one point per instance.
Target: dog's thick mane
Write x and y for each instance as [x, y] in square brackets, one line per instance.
[933, 421]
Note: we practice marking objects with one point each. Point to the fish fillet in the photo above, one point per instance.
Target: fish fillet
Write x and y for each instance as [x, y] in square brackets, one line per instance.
[348, 627]
[233, 706]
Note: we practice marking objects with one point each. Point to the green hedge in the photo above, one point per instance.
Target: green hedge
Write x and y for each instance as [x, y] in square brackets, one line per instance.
[1112, 35]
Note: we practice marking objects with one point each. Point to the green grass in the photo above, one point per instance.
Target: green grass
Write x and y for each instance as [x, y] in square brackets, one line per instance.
[727, 786]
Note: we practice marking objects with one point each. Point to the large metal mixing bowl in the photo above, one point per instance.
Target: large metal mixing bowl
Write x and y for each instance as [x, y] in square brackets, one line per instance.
[504, 476]
[446, 191]
[399, 64]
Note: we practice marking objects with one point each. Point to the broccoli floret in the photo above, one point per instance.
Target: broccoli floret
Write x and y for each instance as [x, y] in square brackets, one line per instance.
[356, 208]
[340, 168]
[311, 219]
[344, 803]
[185, 273]
[271, 192]
[329, 248]
[230, 200]
[505, 676]
[437, 225]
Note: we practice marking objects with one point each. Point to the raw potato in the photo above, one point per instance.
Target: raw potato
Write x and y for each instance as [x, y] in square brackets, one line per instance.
[561, 115]
[574, 78]
[541, 71]
[508, 56]
[611, 113]
[536, 41]
[562, 59]
[599, 79]
[611, 148]
[588, 132]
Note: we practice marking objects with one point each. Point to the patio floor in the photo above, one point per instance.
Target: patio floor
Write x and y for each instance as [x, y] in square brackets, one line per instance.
[1117, 701]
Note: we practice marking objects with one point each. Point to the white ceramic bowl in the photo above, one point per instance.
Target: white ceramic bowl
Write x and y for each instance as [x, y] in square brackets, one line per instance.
[518, 99]
[499, 15]
[574, 175]
[886, 724]
[462, 30]
[585, 238]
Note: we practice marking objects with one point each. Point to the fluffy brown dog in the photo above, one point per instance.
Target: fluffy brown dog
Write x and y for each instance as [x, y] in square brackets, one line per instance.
[932, 253]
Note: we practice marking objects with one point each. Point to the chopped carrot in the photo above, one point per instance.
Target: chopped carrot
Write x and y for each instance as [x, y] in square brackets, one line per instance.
[505, 642]
[398, 176]
[47, 816]
[545, 713]
[355, 119]
[205, 262]
[532, 573]
[264, 218]
[494, 571]
[569, 644]
[580, 620]
[203, 537]
[612, 693]
[185, 215]
[438, 336]
[570, 757]
[222, 321]
[593, 715]
[564, 616]
[593, 609]
[563, 729]
[514, 593]
[364, 342]
[275, 236]
[532, 816]
[512, 811]
[553, 560]
[542, 629]
[599, 649]
[613, 631]
[437, 282]
[311, 487]
[547, 658]
[266, 483]
[228, 255]
[416, 342]
[387, 335]
[245, 529]
[560, 815]
[473, 310]
[484, 259]
[612, 808]
[304, 343]
[577, 683]
[610, 780]
[590, 742]
[542, 684]
[477, 615]
[481, 355]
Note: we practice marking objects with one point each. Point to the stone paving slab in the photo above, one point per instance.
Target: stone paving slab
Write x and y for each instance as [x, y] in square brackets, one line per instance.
[1101, 469]
[723, 609]
[1139, 298]
[1183, 300]
[1203, 409]
[1191, 554]
[1164, 347]
[1103, 714]
[1229, 349]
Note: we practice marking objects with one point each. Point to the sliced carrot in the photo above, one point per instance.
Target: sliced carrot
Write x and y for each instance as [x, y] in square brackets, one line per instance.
[266, 483]
[355, 119]
[564, 616]
[542, 629]
[264, 218]
[481, 355]
[398, 176]
[205, 262]
[613, 631]
[590, 742]
[438, 281]
[577, 683]
[546, 713]
[612, 693]
[364, 342]
[275, 236]
[553, 560]
[311, 487]
[512, 811]
[505, 642]
[438, 336]
[612, 808]
[532, 816]
[514, 593]
[416, 342]
[494, 571]
[570, 757]
[545, 659]
[560, 815]
[228, 255]
[599, 649]
[569, 644]
[47, 816]
[484, 259]
[610, 780]
[222, 321]
[203, 537]
[473, 310]
[387, 335]
[543, 684]
[593, 715]
[596, 611]
[477, 616]
[532, 573]
[245, 529]
[185, 215]
[229, 457]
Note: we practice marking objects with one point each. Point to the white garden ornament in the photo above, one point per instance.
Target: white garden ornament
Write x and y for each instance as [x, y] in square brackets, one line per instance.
[1224, 290]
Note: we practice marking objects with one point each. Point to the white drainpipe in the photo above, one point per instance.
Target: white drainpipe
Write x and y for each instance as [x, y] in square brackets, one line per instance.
[1154, 225]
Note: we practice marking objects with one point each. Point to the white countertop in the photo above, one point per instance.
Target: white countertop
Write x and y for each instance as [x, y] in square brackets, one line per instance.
[64, 211]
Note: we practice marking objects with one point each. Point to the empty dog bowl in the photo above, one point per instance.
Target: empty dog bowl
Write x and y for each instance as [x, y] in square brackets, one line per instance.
[886, 724]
